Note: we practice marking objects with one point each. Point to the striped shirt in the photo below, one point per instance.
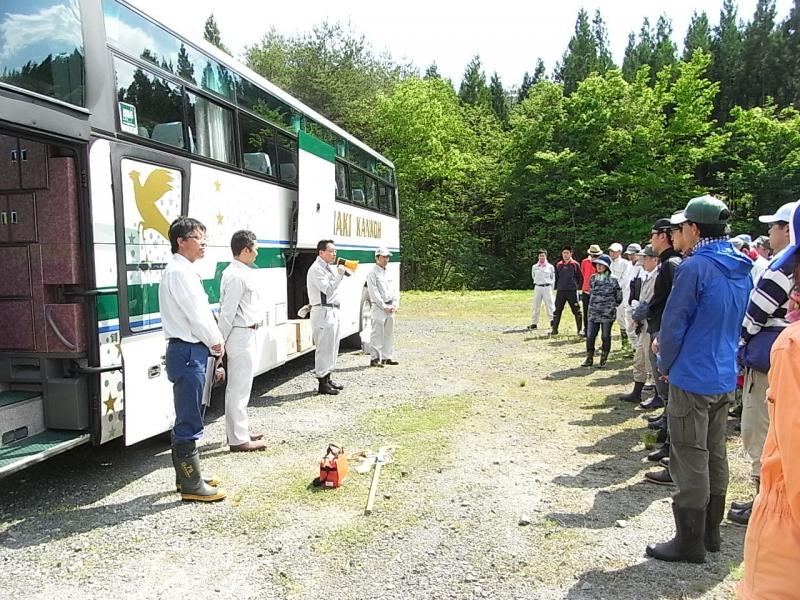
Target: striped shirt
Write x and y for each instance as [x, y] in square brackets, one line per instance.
[769, 302]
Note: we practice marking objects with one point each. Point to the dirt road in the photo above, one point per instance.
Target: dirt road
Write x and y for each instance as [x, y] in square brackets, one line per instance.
[494, 426]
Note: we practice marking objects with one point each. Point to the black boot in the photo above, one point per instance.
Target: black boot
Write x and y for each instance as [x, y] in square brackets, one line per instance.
[333, 384]
[740, 511]
[657, 455]
[578, 323]
[187, 468]
[636, 394]
[325, 386]
[658, 424]
[714, 512]
[653, 403]
[603, 359]
[211, 480]
[589, 359]
[687, 545]
[651, 418]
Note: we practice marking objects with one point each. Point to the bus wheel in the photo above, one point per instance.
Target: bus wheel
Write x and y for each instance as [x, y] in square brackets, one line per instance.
[360, 339]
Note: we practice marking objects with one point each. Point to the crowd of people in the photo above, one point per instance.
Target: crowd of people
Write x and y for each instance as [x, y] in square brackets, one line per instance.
[704, 314]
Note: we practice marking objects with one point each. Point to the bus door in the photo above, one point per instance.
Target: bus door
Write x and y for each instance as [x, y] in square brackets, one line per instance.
[152, 194]
[316, 191]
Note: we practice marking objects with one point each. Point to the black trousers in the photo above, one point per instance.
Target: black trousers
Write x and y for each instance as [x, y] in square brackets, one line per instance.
[605, 336]
[563, 297]
[585, 302]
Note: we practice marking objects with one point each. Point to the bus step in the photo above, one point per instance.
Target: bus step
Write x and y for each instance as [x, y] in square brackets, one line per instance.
[38, 448]
[8, 398]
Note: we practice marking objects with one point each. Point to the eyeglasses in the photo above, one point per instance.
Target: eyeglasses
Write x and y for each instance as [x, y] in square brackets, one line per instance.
[201, 239]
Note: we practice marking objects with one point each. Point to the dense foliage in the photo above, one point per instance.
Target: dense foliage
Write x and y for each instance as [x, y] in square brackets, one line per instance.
[591, 154]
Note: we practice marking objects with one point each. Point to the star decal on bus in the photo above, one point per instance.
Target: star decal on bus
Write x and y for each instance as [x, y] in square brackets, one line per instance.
[109, 403]
[217, 185]
[220, 217]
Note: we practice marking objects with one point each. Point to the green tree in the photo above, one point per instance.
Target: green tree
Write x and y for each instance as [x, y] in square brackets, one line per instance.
[473, 88]
[788, 91]
[212, 35]
[604, 60]
[762, 163]
[432, 72]
[664, 49]
[759, 53]
[698, 35]
[446, 155]
[499, 100]
[630, 63]
[580, 58]
[528, 81]
[332, 69]
[726, 52]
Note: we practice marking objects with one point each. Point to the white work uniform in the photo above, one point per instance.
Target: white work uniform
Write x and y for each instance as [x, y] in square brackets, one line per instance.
[544, 276]
[622, 269]
[241, 313]
[381, 296]
[185, 313]
[322, 283]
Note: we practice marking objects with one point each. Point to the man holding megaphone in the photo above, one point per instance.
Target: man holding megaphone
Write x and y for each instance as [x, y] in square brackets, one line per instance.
[349, 265]
[322, 283]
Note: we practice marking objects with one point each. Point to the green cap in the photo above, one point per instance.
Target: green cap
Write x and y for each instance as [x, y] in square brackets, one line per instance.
[705, 210]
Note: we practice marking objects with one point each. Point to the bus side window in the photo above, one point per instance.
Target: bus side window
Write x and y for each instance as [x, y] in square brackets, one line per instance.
[287, 158]
[169, 133]
[258, 161]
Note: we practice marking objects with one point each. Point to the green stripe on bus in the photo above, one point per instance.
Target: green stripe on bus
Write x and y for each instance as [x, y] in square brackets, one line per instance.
[316, 146]
[143, 298]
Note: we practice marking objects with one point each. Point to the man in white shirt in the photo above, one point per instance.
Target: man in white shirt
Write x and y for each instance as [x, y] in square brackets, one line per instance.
[241, 313]
[192, 336]
[384, 306]
[322, 284]
[544, 276]
[621, 269]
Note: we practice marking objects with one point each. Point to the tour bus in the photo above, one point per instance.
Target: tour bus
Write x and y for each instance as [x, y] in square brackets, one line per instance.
[111, 126]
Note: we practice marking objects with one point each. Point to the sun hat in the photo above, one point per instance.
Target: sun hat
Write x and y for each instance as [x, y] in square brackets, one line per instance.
[604, 259]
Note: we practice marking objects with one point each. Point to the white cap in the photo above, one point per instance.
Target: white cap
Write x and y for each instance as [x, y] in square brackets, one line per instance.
[678, 218]
[784, 213]
[633, 249]
[382, 251]
[615, 247]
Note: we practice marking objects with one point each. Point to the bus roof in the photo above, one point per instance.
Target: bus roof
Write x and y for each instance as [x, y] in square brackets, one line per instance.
[266, 85]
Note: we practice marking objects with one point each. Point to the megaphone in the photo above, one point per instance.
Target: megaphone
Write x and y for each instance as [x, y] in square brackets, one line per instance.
[350, 265]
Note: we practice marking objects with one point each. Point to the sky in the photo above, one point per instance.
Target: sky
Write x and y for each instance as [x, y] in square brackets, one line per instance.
[509, 35]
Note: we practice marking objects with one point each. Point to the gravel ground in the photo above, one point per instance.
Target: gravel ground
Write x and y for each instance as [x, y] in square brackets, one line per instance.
[494, 426]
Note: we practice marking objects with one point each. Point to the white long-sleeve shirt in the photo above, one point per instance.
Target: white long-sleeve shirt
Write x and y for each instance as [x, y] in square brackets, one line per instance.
[543, 274]
[379, 289]
[240, 304]
[322, 283]
[185, 312]
[622, 270]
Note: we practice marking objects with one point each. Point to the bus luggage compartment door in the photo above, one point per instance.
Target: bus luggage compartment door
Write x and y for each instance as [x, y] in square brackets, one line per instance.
[316, 191]
[148, 393]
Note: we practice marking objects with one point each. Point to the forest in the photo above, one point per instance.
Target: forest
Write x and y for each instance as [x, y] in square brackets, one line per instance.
[490, 171]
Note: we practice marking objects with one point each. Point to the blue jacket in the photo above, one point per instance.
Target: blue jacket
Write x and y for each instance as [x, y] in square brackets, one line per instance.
[702, 320]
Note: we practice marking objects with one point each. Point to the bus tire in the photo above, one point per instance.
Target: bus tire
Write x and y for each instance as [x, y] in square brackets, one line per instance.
[354, 341]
